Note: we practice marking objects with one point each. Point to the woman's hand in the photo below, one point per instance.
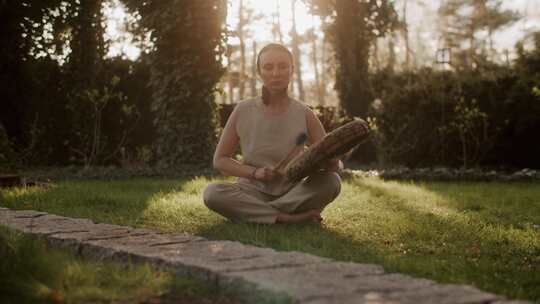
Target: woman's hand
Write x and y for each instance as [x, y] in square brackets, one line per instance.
[264, 174]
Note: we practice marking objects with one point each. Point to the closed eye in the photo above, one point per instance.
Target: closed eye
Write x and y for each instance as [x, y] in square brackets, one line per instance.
[283, 66]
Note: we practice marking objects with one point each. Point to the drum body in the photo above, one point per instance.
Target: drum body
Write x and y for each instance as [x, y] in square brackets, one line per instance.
[334, 144]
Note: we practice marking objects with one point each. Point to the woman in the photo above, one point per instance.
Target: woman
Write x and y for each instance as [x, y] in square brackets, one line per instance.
[267, 128]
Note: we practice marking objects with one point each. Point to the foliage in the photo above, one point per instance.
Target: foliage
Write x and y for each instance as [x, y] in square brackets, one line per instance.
[15, 18]
[408, 109]
[483, 117]
[461, 23]
[185, 65]
[127, 121]
[472, 128]
[387, 143]
[429, 118]
[36, 101]
[84, 109]
[61, 107]
[87, 45]
[353, 28]
[330, 117]
[91, 137]
[536, 91]
[7, 155]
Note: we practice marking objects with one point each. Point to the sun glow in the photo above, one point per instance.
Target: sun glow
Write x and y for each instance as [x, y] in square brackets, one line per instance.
[273, 12]
[117, 22]
[266, 15]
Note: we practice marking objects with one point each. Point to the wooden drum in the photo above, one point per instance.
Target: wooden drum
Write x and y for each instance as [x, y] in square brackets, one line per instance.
[334, 144]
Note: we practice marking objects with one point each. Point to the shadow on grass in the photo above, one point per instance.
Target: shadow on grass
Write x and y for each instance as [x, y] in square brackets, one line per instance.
[461, 236]
[439, 239]
[513, 205]
[427, 230]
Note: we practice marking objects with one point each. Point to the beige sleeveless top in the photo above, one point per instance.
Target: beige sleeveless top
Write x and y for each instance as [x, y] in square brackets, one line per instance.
[265, 140]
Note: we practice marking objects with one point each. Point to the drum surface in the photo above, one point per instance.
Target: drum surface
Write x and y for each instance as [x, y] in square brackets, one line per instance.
[334, 144]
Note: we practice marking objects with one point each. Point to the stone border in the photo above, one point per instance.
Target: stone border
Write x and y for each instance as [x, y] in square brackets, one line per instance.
[258, 275]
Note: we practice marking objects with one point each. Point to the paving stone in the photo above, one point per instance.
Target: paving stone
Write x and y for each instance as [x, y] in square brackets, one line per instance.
[270, 260]
[5, 215]
[239, 258]
[77, 239]
[443, 294]
[260, 273]
[509, 302]
[368, 298]
[50, 224]
[147, 246]
[12, 215]
[324, 280]
[28, 214]
[453, 294]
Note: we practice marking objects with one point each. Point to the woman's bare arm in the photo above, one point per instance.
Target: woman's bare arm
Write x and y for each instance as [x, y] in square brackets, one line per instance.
[314, 126]
[227, 145]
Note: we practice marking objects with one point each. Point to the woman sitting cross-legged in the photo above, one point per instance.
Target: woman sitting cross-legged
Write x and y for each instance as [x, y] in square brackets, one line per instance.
[267, 128]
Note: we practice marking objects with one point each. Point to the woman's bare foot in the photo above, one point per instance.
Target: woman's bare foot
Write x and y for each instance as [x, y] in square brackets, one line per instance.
[314, 215]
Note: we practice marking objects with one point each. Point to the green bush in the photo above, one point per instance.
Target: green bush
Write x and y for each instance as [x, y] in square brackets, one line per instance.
[186, 67]
[7, 155]
[430, 118]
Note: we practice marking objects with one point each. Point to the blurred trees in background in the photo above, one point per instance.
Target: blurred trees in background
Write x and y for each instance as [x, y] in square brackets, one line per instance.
[311, 50]
[467, 119]
[32, 91]
[65, 101]
[185, 68]
[354, 26]
[461, 26]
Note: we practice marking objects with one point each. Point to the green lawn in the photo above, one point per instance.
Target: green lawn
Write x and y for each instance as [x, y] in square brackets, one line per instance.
[485, 234]
[32, 272]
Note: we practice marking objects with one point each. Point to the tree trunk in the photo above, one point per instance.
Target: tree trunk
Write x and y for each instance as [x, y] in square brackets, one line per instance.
[405, 33]
[240, 30]
[391, 53]
[352, 47]
[472, 46]
[375, 56]
[278, 24]
[314, 56]
[253, 80]
[296, 53]
[229, 76]
[87, 45]
[324, 69]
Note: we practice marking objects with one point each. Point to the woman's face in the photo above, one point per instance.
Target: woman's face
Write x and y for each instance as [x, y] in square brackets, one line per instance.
[275, 69]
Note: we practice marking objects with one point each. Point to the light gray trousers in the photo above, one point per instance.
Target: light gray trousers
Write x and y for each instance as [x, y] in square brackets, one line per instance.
[238, 202]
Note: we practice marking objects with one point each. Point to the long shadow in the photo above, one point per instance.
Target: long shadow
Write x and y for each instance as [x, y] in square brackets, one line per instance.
[512, 205]
[428, 245]
[483, 249]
